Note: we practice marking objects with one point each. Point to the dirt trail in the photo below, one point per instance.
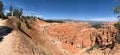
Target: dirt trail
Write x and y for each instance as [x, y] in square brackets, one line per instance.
[15, 43]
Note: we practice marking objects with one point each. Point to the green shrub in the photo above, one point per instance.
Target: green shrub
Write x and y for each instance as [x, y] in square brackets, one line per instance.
[8, 14]
[25, 18]
[17, 12]
[53, 21]
[27, 24]
[2, 16]
[117, 26]
[83, 46]
[93, 47]
[118, 38]
[41, 19]
[97, 26]
[18, 24]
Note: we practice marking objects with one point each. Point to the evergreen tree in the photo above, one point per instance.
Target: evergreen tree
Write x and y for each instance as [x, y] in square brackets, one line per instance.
[1, 7]
[117, 25]
[8, 14]
[117, 11]
[17, 13]
[20, 13]
[1, 10]
[11, 10]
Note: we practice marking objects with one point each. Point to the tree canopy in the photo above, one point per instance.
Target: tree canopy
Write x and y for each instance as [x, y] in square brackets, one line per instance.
[1, 10]
[117, 11]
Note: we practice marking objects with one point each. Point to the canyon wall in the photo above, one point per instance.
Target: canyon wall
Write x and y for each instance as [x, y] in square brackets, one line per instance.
[75, 36]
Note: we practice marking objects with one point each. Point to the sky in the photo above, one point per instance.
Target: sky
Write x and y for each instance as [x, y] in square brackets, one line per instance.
[87, 10]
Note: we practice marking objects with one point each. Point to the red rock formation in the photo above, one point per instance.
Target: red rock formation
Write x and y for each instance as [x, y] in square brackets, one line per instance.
[107, 35]
[74, 35]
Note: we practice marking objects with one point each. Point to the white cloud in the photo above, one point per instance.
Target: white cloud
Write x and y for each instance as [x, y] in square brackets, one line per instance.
[6, 11]
[111, 19]
[32, 13]
[7, 3]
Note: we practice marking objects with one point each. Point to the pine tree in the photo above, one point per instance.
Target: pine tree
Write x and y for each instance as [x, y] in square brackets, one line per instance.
[117, 11]
[18, 13]
[1, 7]
[11, 10]
[1, 10]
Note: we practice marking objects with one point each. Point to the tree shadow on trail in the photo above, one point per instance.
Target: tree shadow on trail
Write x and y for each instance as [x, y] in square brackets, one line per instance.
[4, 30]
[1, 39]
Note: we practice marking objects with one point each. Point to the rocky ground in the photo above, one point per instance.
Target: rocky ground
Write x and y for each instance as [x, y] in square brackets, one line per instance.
[58, 38]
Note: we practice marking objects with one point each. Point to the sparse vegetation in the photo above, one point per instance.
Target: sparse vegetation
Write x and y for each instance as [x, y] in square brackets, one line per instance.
[97, 26]
[117, 11]
[27, 24]
[39, 18]
[17, 13]
[11, 10]
[118, 38]
[29, 17]
[8, 14]
[93, 47]
[18, 23]
[83, 46]
[26, 17]
[2, 16]
[53, 21]
[117, 25]
[1, 7]
[1, 10]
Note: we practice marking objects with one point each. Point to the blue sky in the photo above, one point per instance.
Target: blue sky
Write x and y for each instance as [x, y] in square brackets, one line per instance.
[95, 10]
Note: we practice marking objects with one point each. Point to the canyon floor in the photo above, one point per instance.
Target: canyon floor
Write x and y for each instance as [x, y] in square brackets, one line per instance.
[69, 38]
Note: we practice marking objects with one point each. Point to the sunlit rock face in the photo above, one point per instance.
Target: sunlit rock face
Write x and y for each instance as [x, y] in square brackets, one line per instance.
[107, 35]
[74, 36]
